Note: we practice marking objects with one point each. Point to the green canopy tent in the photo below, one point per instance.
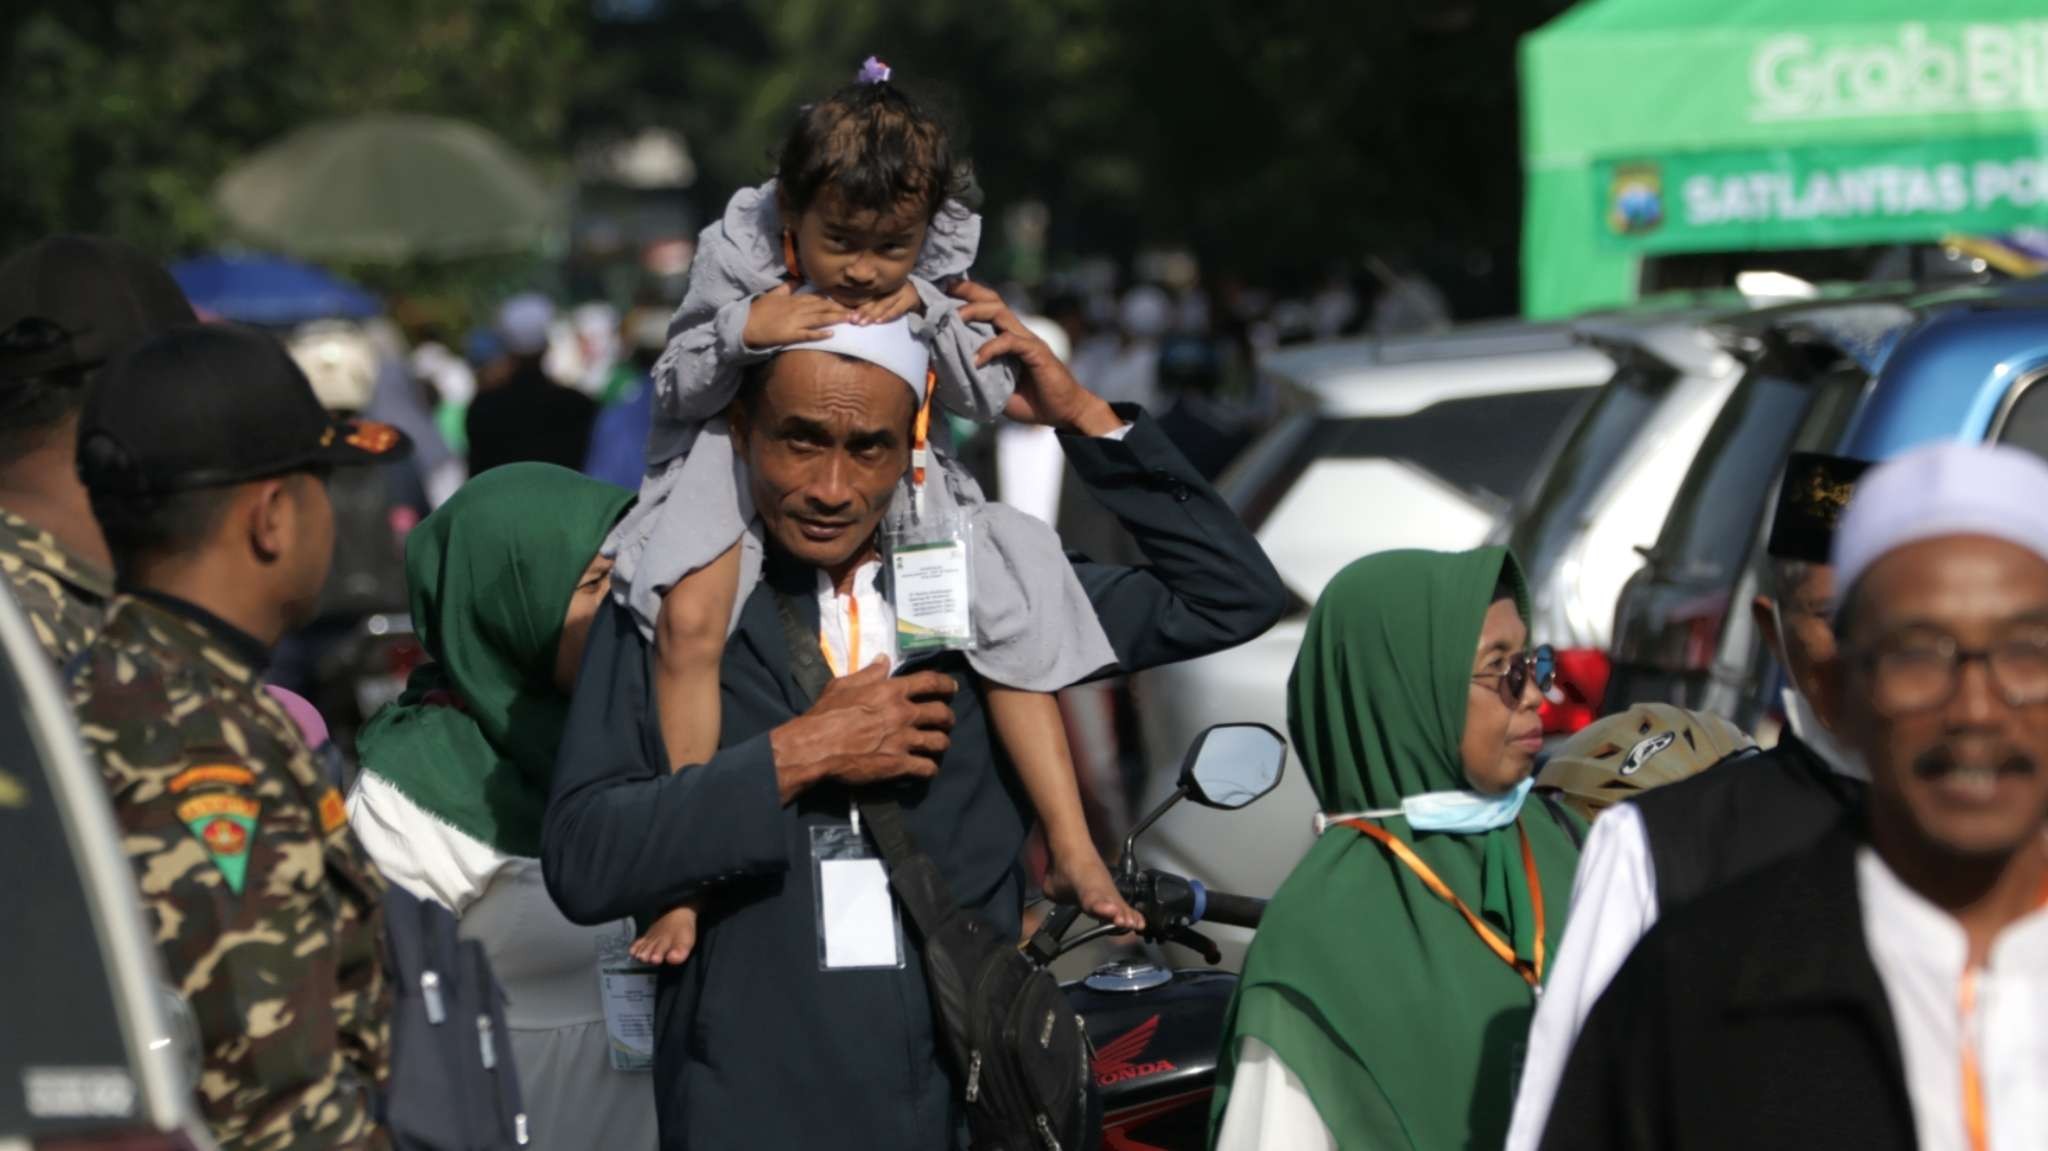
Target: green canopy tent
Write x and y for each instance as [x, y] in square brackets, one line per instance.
[387, 188]
[1657, 127]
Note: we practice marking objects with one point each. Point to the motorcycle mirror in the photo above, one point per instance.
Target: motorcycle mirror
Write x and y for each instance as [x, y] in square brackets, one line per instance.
[1233, 764]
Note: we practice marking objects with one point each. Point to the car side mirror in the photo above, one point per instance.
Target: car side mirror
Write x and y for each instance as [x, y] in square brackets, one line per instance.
[184, 1037]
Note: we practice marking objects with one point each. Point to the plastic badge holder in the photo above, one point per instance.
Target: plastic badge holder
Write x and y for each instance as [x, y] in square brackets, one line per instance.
[859, 927]
[626, 987]
[931, 588]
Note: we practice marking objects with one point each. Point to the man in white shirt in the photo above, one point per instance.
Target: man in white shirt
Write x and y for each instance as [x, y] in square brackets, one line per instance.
[1889, 987]
[1678, 842]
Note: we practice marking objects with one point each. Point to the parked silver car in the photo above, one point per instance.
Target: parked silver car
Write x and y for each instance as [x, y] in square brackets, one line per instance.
[1582, 531]
[1417, 442]
[1682, 632]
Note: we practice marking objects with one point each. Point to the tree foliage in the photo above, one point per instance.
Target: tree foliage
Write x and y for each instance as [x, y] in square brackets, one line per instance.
[119, 115]
[1278, 137]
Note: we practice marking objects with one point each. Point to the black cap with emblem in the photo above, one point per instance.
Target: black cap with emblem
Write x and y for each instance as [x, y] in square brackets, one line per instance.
[1812, 498]
[212, 406]
[75, 302]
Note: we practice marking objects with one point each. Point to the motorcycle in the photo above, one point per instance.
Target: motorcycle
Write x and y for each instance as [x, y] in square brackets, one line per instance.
[1156, 1032]
[361, 671]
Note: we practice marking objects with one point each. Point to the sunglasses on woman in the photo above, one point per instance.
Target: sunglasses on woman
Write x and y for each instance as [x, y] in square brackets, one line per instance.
[1539, 666]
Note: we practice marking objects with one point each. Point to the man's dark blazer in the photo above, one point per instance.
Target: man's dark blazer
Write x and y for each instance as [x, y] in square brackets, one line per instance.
[1753, 1018]
[756, 1046]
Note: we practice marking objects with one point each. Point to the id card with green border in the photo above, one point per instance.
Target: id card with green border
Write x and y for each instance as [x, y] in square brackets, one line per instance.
[932, 589]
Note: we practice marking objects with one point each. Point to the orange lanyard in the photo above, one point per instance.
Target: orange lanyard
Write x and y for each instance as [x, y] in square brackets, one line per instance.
[852, 640]
[1531, 972]
[1974, 1123]
[920, 442]
[1973, 1076]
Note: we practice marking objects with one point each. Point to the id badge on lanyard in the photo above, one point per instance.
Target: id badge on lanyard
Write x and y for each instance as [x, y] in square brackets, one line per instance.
[859, 928]
[626, 987]
[930, 585]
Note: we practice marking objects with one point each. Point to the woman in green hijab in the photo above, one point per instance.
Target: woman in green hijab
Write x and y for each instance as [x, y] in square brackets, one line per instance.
[505, 578]
[1385, 1001]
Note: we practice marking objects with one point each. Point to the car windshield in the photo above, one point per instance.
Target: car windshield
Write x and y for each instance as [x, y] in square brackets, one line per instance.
[1722, 499]
[1486, 446]
[61, 1032]
[1611, 423]
[1751, 689]
[2026, 425]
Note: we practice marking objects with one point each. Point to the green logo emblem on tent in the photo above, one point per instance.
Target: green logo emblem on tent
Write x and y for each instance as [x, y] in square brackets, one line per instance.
[1635, 199]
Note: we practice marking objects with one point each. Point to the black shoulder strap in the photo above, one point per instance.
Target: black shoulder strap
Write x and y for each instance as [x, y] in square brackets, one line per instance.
[806, 661]
[1557, 812]
[912, 874]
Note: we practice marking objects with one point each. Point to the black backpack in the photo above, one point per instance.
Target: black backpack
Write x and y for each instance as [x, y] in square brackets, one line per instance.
[453, 1086]
[1020, 1054]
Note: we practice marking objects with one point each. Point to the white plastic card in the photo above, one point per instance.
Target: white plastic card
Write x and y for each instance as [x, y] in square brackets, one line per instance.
[931, 588]
[858, 924]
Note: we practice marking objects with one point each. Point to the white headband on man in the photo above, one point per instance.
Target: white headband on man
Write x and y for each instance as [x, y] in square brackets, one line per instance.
[1946, 489]
[891, 346]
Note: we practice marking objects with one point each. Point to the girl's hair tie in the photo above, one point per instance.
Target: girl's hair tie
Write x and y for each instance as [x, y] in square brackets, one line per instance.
[872, 71]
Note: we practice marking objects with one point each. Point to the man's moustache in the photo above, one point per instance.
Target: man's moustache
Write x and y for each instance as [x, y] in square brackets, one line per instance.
[1943, 759]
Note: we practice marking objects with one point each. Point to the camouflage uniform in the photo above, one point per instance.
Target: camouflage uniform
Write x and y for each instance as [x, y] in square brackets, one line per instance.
[263, 903]
[64, 597]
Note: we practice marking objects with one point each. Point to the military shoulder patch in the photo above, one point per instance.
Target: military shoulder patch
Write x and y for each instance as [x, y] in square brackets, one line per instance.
[333, 811]
[233, 775]
[225, 824]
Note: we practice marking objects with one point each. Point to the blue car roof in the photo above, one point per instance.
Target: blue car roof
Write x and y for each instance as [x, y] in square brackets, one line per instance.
[1947, 375]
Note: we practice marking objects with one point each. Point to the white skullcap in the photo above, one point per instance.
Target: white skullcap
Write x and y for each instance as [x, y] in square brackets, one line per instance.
[596, 319]
[1055, 337]
[1147, 312]
[454, 382]
[1947, 489]
[524, 322]
[339, 361]
[891, 346]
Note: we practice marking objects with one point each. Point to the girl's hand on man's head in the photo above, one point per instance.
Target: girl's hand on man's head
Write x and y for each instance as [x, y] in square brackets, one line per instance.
[779, 318]
[893, 306]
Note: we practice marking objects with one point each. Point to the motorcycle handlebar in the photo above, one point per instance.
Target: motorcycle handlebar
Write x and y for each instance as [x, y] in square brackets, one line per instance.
[1230, 910]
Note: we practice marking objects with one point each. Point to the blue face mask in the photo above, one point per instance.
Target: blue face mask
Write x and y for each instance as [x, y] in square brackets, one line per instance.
[1449, 812]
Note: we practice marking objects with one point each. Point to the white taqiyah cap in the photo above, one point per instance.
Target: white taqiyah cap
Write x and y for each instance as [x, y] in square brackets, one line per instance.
[339, 361]
[1146, 312]
[1055, 337]
[523, 323]
[1947, 489]
[892, 346]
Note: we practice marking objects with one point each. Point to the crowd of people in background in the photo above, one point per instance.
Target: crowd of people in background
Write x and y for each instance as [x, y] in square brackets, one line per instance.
[572, 385]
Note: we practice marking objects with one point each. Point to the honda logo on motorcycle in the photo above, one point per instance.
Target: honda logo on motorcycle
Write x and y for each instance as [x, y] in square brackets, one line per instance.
[1117, 1060]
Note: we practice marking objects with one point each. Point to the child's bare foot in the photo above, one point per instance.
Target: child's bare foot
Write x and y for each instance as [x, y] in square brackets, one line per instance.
[670, 940]
[1080, 877]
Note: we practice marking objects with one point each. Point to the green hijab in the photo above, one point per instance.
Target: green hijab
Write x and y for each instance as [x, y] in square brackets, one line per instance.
[473, 739]
[1405, 1028]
